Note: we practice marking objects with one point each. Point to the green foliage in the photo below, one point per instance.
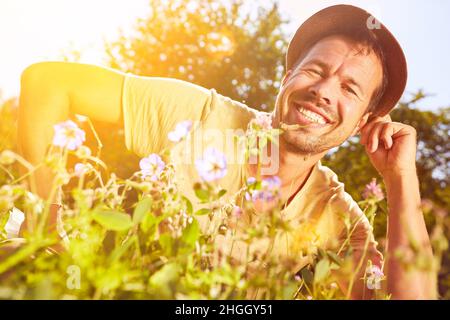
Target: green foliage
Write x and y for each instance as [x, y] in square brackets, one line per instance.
[112, 220]
[218, 44]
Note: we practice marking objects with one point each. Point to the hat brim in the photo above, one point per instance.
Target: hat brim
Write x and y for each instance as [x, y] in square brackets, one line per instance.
[330, 20]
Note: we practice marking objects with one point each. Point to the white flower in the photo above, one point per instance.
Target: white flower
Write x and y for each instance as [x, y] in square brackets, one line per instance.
[374, 276]
[181, 130]
[68, 135]
[80, 169]
[152, 166]
[12, 227]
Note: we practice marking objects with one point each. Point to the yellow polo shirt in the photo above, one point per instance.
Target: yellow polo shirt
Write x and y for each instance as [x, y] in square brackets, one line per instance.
[151, 109]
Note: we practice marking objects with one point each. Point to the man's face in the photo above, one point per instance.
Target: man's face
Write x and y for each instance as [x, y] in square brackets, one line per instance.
[327, 94]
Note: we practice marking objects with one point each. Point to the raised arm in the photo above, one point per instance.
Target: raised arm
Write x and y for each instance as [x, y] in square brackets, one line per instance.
[391, 147]
[50, 91]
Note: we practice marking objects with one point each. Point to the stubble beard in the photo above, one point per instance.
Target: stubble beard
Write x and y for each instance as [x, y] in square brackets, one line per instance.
[303, 142]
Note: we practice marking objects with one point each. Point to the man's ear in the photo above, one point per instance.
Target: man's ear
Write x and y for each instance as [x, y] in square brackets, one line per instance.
[286, 77]
[362, 122]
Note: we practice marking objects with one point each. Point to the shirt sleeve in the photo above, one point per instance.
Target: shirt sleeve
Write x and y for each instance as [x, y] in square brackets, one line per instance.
[359, 231]
[153, 106]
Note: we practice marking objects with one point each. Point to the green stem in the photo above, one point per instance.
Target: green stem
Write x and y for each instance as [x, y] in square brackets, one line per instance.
[48, 203]
[7, 172]
[361, 261]
[24, 253]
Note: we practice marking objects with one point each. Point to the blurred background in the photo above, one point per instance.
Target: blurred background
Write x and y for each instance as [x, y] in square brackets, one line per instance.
[236, 47]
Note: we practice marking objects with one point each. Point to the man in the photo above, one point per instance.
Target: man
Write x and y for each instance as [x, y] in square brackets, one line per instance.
[344, 74]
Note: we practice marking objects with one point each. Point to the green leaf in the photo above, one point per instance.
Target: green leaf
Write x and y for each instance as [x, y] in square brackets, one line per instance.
[113, 220]
[120, 250]
[221, 193]
[334, 257]
[307, 276]
[202, 194]
[142, 208]
[321, 271]
[202, 212]
[191, 233]
[322, 253]
[164, 279]
[167, 244]
[289, 291]
[189, 207]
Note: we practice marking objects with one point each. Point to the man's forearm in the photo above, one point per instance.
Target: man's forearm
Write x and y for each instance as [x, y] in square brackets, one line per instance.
[406, 225]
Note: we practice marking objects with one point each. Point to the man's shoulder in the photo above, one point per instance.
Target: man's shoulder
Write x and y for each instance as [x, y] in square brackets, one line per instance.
[228, 113]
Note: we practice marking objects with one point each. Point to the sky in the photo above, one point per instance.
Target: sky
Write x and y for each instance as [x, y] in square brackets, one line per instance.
[32, 31]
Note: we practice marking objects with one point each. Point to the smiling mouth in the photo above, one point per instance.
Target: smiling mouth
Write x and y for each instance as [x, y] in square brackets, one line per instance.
[311, 116]
[308, 116]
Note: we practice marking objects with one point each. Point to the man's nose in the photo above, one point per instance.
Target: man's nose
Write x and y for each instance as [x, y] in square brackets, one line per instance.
[322, 92]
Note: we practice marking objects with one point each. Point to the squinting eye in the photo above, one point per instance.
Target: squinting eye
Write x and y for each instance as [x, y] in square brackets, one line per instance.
[350, 90]
[314, 71]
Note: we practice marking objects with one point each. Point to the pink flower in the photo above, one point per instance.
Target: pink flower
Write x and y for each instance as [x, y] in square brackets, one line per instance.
[263, 120]
[236, 212]
[373, 190]
[152, 166]
[68, 135]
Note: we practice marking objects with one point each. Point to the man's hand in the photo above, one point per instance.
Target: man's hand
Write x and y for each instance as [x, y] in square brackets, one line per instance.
[391, 146]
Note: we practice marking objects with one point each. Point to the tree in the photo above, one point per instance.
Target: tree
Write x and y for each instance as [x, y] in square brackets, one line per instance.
[215, 44]
[225, 45]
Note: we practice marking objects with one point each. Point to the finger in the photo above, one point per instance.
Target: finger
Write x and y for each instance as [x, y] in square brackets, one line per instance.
[365, 131]
[373, 138]
[386, 135]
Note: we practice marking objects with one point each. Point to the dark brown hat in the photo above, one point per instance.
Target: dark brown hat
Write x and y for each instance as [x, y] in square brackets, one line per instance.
[345, 17]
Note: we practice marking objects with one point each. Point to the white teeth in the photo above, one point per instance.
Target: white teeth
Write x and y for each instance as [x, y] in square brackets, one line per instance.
[312, 115]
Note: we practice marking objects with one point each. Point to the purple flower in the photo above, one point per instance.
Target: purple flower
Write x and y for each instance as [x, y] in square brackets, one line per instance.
[212, 166]
[152, 166]
[68, 135]
[80, 169]
[374, 276]
[251, 180]
[373, 190]
[269, 191]
[181, 130]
